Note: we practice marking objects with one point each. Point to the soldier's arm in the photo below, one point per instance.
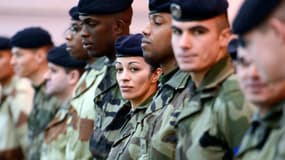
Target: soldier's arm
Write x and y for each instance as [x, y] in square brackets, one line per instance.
[233, 117]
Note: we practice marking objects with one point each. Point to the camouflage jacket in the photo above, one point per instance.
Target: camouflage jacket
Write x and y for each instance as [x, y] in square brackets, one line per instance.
[108, 101]
[15, 106]
[43, 111]
[81, 121]
[55, 137]
[265, 139]
[122, 148]
[163, 132]
[214, 118]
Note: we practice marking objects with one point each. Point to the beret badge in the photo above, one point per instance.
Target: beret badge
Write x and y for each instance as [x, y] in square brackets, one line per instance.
[176, 11]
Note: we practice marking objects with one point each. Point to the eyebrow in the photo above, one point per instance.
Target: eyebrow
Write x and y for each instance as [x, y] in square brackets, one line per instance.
[198, 27]
[132, 62]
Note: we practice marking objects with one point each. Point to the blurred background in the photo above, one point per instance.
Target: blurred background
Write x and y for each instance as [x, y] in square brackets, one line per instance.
[53, 15]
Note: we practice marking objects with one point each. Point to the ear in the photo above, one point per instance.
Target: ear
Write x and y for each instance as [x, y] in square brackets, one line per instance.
[41, 55]
[225, 37]
[119, 26]
[73, 76]
[155, 75]
[279, 27]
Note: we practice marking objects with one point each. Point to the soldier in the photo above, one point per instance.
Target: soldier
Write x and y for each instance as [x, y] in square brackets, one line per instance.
[61, 78]
[261, 33]
[138, 83]
[260, 26]
[266, 127]
[80, 124]
[215, 116]
[15, 106]
[157, 127]
[29, 48]
[101, 25]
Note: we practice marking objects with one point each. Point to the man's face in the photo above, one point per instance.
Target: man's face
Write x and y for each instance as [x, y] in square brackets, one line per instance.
[269, 53]
[255, 90]
[55, 77]
[6, 69]
[98, 34]
[196, 44]
[24, 62]
[156, 43]
[74, 41]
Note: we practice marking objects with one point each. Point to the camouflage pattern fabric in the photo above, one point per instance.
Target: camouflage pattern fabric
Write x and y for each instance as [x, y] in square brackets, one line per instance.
[265, 137]
[214, 118]
[123, 148]
[43, 111]
[15, 106]
[81, 121]
[55, 137]
[108, 101]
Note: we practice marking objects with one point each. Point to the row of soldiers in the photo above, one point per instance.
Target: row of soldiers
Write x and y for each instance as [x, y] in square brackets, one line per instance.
[183, 89]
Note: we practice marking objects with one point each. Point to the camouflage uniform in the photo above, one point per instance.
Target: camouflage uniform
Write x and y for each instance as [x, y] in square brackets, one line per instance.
[139, 145]
[108, 100]
[163, 137]
[81, 122]
[263, 139]
[215, 117]
[15, 105]
[55, 137]
[43, 111]
[122, 148]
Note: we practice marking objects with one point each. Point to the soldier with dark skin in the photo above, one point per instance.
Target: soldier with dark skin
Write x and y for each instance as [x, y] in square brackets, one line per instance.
[29, 48]
[215, 116]
[101, 25]
[261, 51]
[80, 124]
[158, 133]
[15, 106]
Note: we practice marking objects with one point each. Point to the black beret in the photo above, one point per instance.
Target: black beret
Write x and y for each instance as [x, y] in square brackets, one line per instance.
[73, 12]
[129, 46]
[4, 43]
[159, 6]
[252, 13]
[59, 56]
[32, 37]
[232, 48]
[192, 10]
[103, 6]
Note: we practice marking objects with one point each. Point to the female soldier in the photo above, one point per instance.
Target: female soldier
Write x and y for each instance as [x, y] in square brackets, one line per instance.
[138, 83]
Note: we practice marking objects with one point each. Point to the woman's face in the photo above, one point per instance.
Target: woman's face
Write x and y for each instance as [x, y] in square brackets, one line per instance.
[136, 80]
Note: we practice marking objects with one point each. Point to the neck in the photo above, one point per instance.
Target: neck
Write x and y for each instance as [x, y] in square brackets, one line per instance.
[65, 96]
[91, 60]
[169, 66]
[198, 77]
[137, 102]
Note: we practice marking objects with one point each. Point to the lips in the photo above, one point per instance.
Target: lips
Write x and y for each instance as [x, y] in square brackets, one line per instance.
[125, 88]
[145, 42]
[87, 44]
[254, 87]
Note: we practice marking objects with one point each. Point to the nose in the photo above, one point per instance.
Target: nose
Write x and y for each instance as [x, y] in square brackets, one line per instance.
[67, 35]
[184, 41]
[125, 76]
[84, 31]
[252, 70]
[147, 29]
